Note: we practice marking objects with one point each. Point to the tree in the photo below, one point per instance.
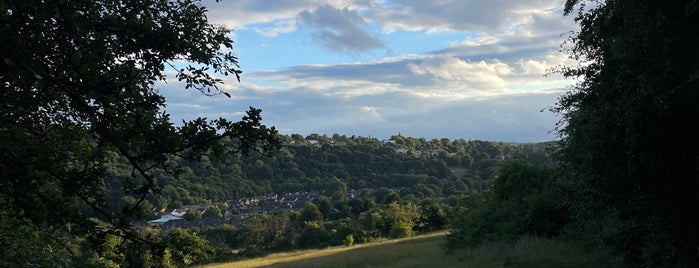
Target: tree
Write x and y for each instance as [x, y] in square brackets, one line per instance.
[629, 126]
[298, 138]
[187, 248]
[222, 237]
[192, 215]
[400, 229]
[311, 213]
[397, 221]
[432, 215]
[336, 189]
[522, 200]
[24, 243]
[265, 231]
[80, 88]
[386, 196]
[325, 206]
[212, 211]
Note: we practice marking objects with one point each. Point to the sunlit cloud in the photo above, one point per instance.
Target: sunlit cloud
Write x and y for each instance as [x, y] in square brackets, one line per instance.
[280, 27]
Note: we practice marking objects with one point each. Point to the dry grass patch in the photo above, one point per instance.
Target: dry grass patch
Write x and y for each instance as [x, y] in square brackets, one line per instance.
[425, 251]
[419, 251]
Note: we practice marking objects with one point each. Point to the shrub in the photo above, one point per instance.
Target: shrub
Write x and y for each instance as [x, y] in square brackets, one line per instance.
[522, 200]
[400, 229]
[349, 240]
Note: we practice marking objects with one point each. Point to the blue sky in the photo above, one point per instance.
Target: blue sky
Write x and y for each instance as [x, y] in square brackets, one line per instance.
[432, 69]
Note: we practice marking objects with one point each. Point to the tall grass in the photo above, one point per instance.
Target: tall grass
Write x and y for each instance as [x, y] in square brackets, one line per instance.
[536, 252]
[425, 251]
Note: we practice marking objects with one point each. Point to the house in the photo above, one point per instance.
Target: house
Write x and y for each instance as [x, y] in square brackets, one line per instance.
[168, 217]
[401, 150]
[316, 143]
[384, 142]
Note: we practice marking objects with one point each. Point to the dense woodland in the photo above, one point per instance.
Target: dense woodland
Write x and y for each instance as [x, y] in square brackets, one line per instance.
[426, 168]
[88, 155]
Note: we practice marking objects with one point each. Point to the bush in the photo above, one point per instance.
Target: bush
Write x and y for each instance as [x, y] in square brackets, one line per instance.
[400, 229]
[349, 240]
[522, 200]
[186, 248]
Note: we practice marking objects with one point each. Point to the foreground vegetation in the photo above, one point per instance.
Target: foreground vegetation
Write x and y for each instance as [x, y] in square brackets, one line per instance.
[426, 251]
[626, 169]
[396, 253]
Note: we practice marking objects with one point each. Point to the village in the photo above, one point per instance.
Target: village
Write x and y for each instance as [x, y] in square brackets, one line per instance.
[234, 211]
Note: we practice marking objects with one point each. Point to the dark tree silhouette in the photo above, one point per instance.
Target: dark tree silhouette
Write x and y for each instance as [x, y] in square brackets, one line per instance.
[630, 126]
[79, 91]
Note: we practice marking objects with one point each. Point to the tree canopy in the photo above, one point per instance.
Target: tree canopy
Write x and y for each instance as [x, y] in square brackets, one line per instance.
[626, 168]
[630, 125]
[79, 90]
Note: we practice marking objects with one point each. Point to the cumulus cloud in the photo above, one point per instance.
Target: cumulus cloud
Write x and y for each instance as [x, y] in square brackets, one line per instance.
[460, 15]
[478, 75]
[412, 15]
[241, 13]
[379, 110]
[488, 84]
[533, 67]
[340, 29]
[505, 118]
[428, 76]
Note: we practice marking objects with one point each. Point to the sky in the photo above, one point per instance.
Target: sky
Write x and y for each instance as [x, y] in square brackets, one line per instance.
[471, 69]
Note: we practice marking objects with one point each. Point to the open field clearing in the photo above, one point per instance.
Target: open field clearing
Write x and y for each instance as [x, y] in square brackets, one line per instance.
[424, 251]
[419, 251]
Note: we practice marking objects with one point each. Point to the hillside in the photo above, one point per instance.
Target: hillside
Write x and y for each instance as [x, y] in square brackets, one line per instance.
[418, 167]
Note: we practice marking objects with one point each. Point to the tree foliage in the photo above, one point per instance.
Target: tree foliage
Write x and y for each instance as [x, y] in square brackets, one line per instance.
[186, 248]
[334, 169]
[522, 200]
[79, 91]
[630, 125]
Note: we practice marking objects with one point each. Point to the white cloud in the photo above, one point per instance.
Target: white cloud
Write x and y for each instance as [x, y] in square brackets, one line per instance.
[533, 67]
[459, 15]
[238, 14]
[490, 84]
[280, 27]
[477, 75]
[380, 112]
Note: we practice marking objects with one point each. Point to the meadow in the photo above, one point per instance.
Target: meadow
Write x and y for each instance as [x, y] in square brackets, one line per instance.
[425, 251]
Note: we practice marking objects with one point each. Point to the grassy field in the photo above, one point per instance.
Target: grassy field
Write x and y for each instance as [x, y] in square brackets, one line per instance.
[424, 251]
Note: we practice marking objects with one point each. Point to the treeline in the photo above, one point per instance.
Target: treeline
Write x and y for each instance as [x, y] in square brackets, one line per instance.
[321, 223]
[421, 168]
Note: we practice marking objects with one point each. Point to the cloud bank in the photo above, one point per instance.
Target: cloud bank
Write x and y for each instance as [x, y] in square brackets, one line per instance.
[469, 69]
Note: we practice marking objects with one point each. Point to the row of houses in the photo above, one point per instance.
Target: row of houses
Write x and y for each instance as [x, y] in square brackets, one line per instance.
[318, 143]
[270, 203]
[392, 143]
[238, 209]
[170, 221]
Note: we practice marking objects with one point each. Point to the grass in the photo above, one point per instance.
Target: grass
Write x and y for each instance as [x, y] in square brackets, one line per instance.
[424, 251]
[536, 252]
